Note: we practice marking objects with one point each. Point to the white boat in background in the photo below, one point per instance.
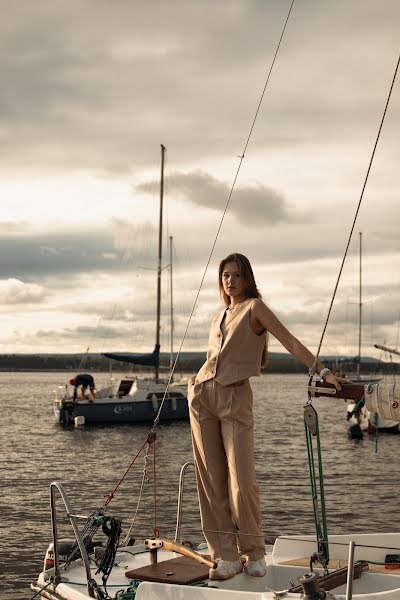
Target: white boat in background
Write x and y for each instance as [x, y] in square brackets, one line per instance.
[358, 377]
[360, 419]
[359, 566]
[371, 421]
[131, 399]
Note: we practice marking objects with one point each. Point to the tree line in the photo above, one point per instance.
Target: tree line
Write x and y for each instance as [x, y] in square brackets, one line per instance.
[188, 362]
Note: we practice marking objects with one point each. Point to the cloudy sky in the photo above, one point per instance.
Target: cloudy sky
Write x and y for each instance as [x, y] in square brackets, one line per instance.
[89, 91]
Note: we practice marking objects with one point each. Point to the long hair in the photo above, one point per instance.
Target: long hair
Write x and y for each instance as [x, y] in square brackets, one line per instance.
[251, 290]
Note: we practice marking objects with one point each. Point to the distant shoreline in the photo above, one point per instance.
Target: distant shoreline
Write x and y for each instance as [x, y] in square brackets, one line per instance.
[189, 362]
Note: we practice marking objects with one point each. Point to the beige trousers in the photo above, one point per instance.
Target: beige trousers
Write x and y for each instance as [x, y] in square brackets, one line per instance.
[221, 419]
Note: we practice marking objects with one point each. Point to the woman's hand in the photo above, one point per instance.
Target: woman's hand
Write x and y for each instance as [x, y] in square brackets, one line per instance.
[331, 378]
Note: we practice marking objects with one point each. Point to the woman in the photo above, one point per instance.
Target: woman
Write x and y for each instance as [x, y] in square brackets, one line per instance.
[221, 417]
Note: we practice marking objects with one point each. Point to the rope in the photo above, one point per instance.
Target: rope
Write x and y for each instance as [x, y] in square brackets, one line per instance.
[112, 529]
[319, 509]
[130, 592]
[127, 537]
[358, 209]
[374, 547]
[41, 590]
[83, 359]
[111, 495]
[376, 419]
[155, 530]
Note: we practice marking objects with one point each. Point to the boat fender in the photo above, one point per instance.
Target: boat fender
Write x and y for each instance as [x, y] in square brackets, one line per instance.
[79, 421]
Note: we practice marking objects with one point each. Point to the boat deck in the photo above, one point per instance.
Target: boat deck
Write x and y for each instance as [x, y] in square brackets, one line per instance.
[377, 583]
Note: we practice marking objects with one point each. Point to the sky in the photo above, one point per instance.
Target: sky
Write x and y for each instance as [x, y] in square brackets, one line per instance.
[89, 92]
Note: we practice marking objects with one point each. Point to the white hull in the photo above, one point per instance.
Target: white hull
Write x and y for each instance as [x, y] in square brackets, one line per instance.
[370, 586]
[370, 421]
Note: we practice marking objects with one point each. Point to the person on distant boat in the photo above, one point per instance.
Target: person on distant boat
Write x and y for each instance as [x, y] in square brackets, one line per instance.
[83, 381]
[221, 417]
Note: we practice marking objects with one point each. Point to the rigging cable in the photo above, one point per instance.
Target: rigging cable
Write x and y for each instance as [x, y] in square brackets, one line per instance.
[357, 210]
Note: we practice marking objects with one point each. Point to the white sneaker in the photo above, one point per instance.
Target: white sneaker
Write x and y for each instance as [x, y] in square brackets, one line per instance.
[226, 569]
[255, 568]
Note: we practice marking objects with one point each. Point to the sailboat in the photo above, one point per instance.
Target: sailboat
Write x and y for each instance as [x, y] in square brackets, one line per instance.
[360, 419]
[375, 422]
[132, 398]
[358, 377]
[362, 566]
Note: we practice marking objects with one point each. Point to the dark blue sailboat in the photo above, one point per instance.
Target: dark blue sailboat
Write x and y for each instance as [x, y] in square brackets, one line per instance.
[130, 399]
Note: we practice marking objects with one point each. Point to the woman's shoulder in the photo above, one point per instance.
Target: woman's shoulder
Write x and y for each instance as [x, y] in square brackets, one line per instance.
[258, 308]
[256, 303]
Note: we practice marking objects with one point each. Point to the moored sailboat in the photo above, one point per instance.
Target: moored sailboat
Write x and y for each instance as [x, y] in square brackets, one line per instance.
[358, 376]
[132, 398]
[361, 419]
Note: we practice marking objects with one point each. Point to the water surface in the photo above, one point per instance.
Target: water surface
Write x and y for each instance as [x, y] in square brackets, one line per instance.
[361, 486]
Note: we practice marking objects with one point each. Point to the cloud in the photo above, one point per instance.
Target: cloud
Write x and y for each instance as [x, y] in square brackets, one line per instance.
[81, 332]
[92, 98]
[248, 203]
[14, 291]
[112, 247]
[101, 93]
[47, 253]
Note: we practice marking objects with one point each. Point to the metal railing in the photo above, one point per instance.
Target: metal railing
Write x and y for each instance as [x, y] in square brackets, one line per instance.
[73, 520]
[350, 572]
[180, 499]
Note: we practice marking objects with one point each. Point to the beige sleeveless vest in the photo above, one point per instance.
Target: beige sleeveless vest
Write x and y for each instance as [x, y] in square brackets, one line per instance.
[237, 353]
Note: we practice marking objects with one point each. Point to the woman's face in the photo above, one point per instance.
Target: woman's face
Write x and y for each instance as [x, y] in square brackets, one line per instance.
[232, 281]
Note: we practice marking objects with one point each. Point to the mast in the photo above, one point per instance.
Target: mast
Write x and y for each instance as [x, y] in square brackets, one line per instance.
[171, 356]
[360, 309]
[159, 267]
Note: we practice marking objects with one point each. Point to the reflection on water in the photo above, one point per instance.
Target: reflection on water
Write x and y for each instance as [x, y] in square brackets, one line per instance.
[360, 485]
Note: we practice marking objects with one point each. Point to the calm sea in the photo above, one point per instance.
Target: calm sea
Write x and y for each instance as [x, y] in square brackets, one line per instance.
[361, 486]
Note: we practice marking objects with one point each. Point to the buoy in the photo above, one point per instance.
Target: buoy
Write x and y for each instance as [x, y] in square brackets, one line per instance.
[355, 432]
[80, 420]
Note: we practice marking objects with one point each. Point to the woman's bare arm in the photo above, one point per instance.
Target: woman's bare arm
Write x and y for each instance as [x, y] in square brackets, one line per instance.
[262, 317]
